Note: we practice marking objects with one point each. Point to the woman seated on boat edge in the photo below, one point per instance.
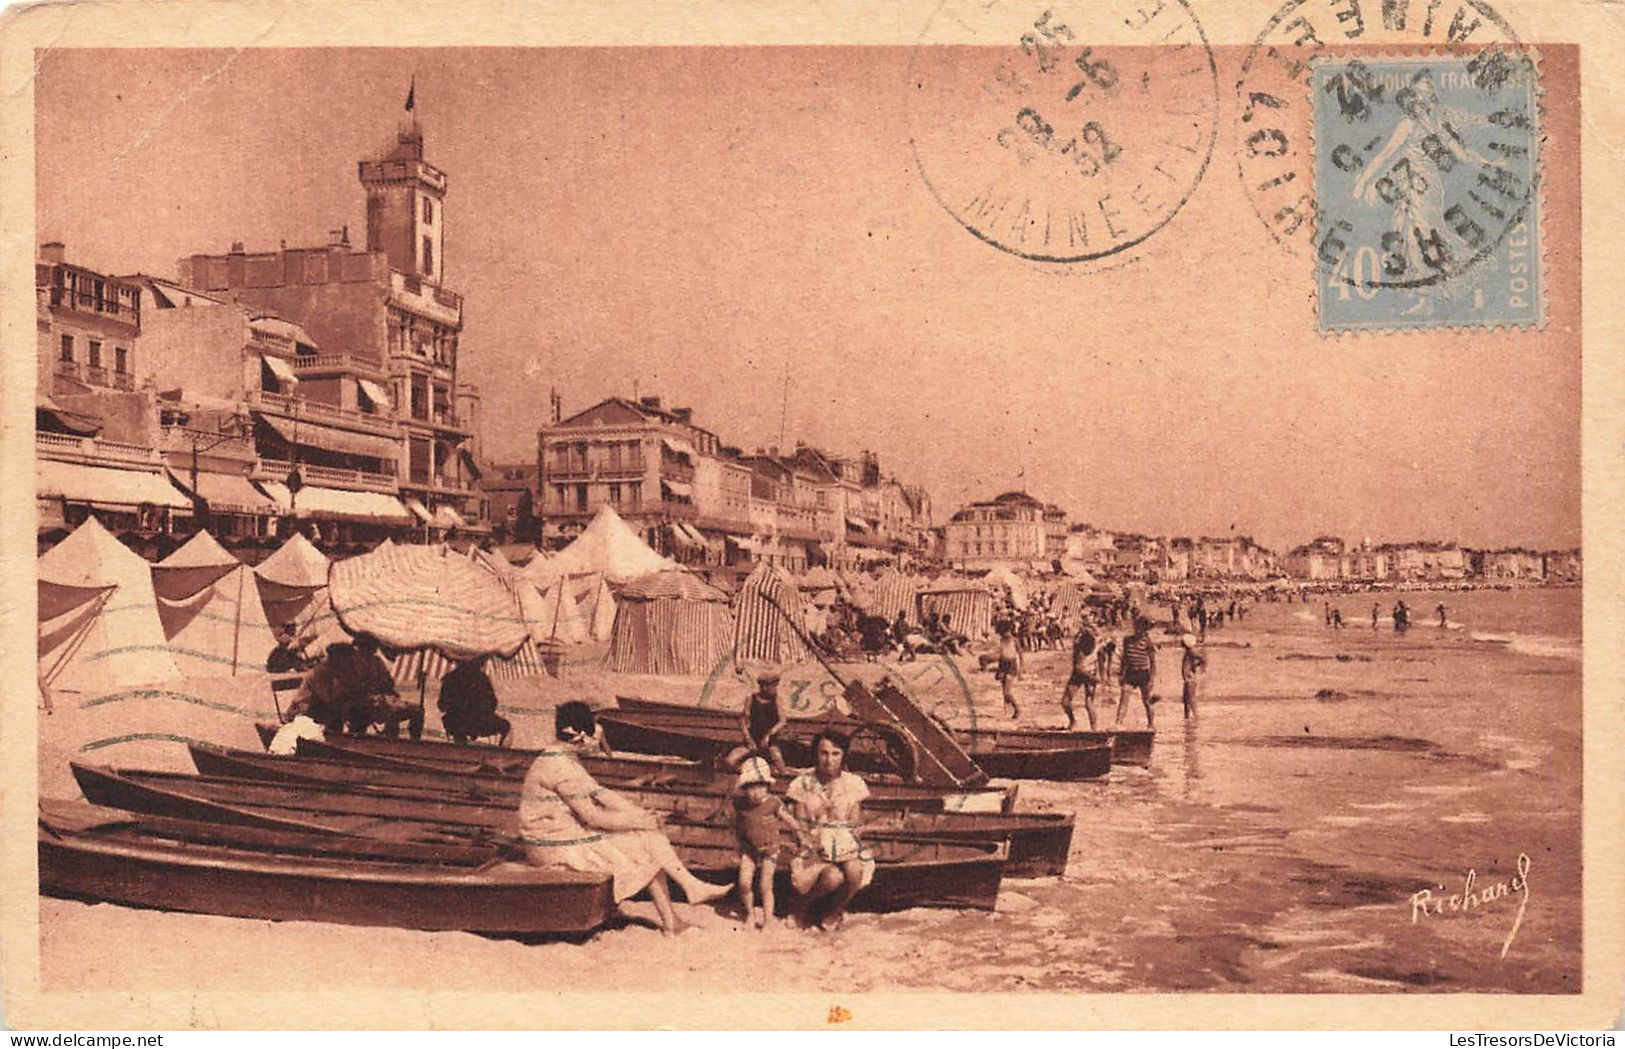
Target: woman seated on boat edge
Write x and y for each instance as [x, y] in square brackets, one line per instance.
[566, 819]
[833, 862]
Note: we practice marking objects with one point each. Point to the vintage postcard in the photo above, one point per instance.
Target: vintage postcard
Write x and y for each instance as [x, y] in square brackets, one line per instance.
[972, 513]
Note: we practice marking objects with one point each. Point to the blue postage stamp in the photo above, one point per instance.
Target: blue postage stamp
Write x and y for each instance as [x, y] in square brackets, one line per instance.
[1427, 192]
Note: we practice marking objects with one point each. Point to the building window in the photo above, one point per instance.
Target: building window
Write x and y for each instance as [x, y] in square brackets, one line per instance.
[634, 494]
[420, 396]
[95, 354]
[615, 495]
[428, 211]
[428, 256]
[121, 360]
[67, 347]
[581, 497]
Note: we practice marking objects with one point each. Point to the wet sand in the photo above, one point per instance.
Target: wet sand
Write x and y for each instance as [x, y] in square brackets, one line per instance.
[1274, 845]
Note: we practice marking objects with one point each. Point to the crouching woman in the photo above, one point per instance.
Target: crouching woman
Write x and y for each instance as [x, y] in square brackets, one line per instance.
[567, 820]
[828, 801]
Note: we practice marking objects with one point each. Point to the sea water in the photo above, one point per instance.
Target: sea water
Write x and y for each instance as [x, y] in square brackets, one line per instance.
[1334, 786]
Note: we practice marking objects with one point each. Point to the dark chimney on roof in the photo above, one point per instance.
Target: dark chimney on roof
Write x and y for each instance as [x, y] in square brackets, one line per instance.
[53, 251]
[236, 248]
[650, 402]
[683, 415]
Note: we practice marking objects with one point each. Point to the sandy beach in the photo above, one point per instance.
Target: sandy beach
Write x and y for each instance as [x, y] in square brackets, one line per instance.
[1275, 843]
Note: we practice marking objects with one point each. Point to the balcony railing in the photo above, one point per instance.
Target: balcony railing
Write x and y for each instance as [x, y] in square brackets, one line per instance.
[60, 446]
[68, 368]
[382, 422]
[123, 381]
[96, 375]
[335, 362]
[278, 469]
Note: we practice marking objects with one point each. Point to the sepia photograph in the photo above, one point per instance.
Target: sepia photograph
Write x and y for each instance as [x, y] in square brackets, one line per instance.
[1057, 500]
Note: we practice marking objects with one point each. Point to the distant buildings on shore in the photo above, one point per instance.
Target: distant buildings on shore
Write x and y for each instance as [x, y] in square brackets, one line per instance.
[703, 501]
[1019, 530]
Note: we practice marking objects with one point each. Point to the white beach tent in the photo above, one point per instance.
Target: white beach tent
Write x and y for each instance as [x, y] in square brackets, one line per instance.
[99, 629]
[608, 546]
[210, 609]
[292, 580]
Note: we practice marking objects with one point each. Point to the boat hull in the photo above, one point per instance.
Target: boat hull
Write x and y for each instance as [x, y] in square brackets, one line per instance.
[170, 876]
[933, 872]
[1040, 843]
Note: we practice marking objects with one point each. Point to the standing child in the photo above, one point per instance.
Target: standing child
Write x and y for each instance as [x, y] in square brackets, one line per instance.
[1190, 671]
[1009, 666]
[758, 816]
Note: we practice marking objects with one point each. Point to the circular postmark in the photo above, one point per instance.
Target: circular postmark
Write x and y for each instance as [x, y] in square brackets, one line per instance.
[1275, 144]
[1064, 132]
[933, 683]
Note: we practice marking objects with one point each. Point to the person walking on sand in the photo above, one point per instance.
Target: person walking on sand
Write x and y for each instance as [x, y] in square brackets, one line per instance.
[1139, 669]
[1009, 667]
[1442, 621]
[1191, 664]
[1376, 613]
[1084, 675]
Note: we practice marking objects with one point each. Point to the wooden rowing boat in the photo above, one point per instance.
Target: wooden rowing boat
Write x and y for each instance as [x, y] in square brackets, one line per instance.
[126, 862]
[704, 737]
[884, 791]
[1039, 842]
[1128, 748]
[913, 870]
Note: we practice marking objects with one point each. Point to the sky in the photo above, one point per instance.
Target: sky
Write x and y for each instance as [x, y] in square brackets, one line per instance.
[746, 232]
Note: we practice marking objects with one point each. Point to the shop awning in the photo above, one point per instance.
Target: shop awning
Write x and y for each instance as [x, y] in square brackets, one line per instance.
[374, 393]
[857, 522]
[104, 486]
[419, 511]
[446, 517]
[72, 422]
[678, 445]
[744, 543]
[679, 488]
[280, 368]
[331, 438]
[314, 501]
[692, 532]
[227, 493]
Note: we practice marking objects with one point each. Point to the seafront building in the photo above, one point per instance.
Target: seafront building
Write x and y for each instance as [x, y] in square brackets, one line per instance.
[314, 388]
[1011, 529]
[696, 498]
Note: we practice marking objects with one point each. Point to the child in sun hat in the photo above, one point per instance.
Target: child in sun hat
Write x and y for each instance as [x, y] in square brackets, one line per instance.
[759, 816]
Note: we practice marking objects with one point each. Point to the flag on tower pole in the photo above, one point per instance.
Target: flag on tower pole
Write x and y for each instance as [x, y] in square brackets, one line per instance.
[411, 94]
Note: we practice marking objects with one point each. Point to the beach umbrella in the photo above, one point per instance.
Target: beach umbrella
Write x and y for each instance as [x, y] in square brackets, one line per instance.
[427, 597]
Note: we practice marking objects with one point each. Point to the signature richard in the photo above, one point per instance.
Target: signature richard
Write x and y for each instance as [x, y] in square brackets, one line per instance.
[1425, 905]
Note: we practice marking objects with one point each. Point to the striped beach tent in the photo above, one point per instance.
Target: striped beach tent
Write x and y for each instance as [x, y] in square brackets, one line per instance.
[967, 601]
[210, 608]
[669, 623]
[767, 606]
[895, 592]
[1068, 602]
